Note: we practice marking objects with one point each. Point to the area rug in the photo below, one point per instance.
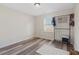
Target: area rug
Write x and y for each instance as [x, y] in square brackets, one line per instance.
[49, 49]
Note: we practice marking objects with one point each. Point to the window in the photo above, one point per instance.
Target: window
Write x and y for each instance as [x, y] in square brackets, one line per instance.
[48, 27]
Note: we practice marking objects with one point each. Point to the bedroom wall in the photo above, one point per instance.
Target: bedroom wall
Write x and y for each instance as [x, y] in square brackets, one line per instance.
[39, 24]
[14, 26]
[76, 41]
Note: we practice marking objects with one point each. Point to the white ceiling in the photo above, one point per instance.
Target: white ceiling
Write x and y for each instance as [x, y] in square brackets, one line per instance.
[44, 8]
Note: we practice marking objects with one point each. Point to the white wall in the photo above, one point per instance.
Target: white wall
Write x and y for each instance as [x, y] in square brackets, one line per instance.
[14, 26]
[76, 41]
[39, 23]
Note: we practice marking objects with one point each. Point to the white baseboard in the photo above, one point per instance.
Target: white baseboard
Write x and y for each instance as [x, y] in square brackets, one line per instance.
[14, 42]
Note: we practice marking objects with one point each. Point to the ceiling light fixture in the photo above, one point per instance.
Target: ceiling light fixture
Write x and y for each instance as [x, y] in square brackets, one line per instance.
[37, 4]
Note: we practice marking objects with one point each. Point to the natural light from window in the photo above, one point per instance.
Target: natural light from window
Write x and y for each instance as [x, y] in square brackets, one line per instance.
[48, 27]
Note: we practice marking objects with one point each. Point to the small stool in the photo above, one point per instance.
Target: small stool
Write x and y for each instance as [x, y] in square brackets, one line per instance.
[65, 40]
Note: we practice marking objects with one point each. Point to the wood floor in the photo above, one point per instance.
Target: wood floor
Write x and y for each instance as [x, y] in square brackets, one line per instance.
[30, 47]
[68, 47]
